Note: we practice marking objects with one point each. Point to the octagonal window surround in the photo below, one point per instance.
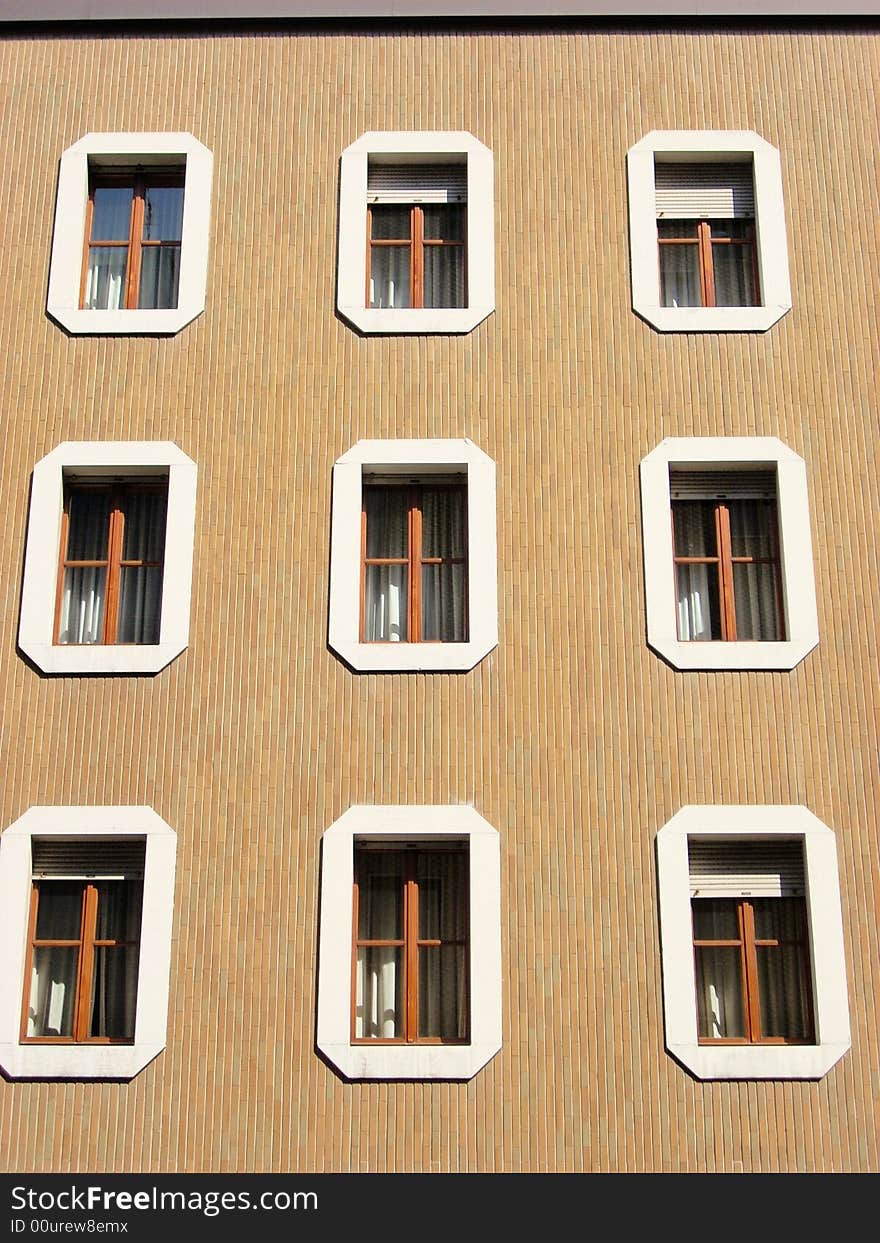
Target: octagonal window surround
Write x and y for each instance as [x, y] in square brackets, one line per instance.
[419, 149]
[403, 827]
[762, 825]
[90, 826]
[93, 463]
[422, 460]
[680, 149]
[680, 456]
[108, 153]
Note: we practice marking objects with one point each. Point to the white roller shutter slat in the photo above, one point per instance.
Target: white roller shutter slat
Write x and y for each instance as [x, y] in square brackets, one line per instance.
[766, 869]
[741, 485]
[66, 859]
[417, 183]
[704, 191]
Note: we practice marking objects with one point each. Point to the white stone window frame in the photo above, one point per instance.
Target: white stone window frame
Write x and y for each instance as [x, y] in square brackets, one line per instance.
[106, 150]
[707, 146]
[825, 923]
[420, 458]
[403, 825]
[86, 1061]
[106, 459]
[795, 550]
[441, 146]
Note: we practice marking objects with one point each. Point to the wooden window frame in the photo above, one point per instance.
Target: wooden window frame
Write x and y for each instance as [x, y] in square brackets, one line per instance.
[748, 944]
[416, 242]
[414, 561]
[410, 943]
[86, 943]
[704, 241]
[141, 179]
[725, 561]
[118, 490]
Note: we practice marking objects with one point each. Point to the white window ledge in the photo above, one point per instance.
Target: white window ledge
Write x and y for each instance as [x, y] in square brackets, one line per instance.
[828, 963]
[403, 824]
[422, 458]
[796, 552]
[106, 459]
[65, 272]
[770, 237]
[83, 1061]
[352, 251]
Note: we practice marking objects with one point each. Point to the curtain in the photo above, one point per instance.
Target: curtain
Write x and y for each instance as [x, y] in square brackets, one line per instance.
[444, 276]
[379, 975]
[115, 972]
[443, 969]
[444, 587]
[386, 586]
[140, 596]
[783, 987]
[718, 970]
[160, 277]
[755, 587]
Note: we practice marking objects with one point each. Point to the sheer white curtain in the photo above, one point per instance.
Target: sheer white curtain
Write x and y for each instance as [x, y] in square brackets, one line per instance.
[444, 587]
[443, 969]
[379, 975]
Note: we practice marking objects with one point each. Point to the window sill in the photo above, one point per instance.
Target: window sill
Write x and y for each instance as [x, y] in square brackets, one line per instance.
[712, 318]
[130, 323]
[76, 1061]
[730, 656]
[788, 1062]
[407, 320]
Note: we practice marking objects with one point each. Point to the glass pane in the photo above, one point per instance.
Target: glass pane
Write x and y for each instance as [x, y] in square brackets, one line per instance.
[444, 514]
[715, 919]
[779, 919]
[105, 278]
[444, 603]
[144, 536]
[386, 510]
[444, 276]
[694, 527]
[443, 896]
[719, 993]
[82, 605]
[752, 528]
[444, 223]
[385, 604]
[59, 910]
[53, 992]
[756, 600]
[380, 895]
[390, 222]
[680, 276]
[88, 528]
[389, 276]
[443, 992]
[160, 277]
[111, 215]
[698, 608]
[677, 228]
[140, 604]
[114, 992]
[119, 910]
[782, 992]
[379, 993]
[734, 274]
[163, 213]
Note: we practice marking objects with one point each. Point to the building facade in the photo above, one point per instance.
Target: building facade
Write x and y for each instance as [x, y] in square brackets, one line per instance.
[615, 719]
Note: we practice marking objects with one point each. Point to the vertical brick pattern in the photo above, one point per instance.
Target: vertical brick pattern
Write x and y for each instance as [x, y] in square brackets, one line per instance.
[572, 737]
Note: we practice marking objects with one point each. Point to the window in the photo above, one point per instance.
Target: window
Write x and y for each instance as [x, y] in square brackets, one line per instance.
[112, 551]
[754, 976]
[706, 235]
[130, 247]
[86, 898]
[428, 264]
[727, 554]
[133, 231]
[708, 249]
[84, 939]
[413, 562]
[410, 944]
[409, 973]
[416, 221]
[119, 600]
[751, 948]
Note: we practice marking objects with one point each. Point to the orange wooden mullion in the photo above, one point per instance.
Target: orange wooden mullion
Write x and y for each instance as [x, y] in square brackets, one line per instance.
[114, 556]
[29, 965]
[750, 971]
[414, 631]
[135, 237]
[82, 1011]
[725, 568]
[417, 258]
[411, 953]
[707, 271]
